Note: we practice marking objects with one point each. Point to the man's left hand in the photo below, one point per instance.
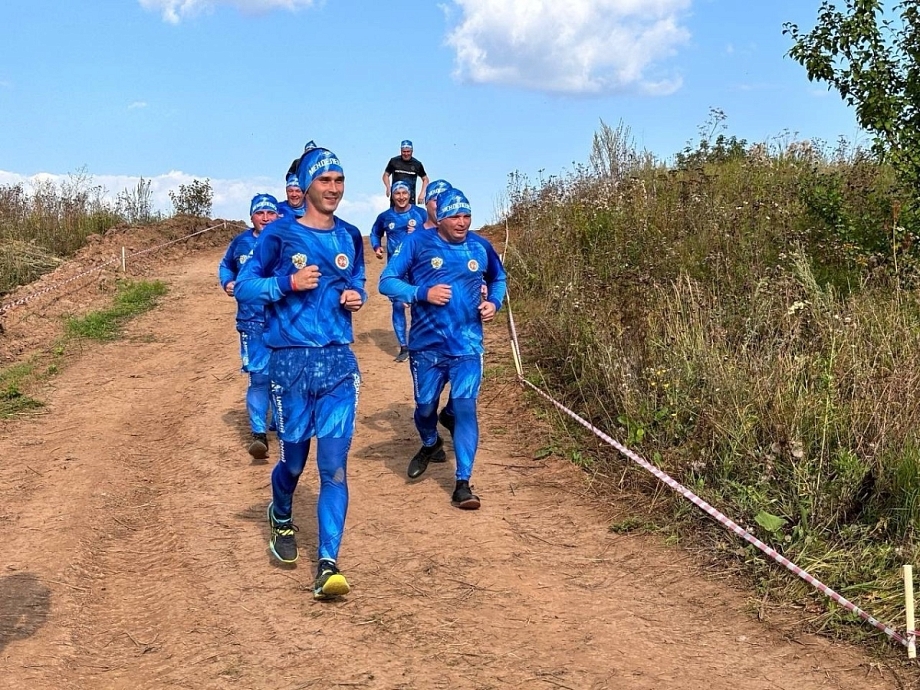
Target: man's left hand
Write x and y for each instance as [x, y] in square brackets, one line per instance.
[487, 311]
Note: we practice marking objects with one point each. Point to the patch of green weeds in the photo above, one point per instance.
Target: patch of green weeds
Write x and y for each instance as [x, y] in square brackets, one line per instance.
[131, 299]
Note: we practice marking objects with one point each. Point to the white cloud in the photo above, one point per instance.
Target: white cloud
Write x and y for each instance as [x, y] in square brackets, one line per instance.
[137, 104]
[569, 46]
[174, 11]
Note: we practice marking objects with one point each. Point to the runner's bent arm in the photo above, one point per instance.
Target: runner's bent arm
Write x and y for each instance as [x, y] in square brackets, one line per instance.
[255, 283]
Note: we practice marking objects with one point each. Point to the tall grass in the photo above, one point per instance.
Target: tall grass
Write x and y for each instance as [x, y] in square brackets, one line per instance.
[746, 316]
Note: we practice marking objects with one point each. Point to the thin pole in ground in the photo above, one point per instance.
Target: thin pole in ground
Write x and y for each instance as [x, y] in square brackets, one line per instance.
[908, 572]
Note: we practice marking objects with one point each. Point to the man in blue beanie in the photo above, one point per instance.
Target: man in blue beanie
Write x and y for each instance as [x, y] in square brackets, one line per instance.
[396, 224]
[293, 205]
[405, 168]
[250, 322]
[441, 274]
[309, 274]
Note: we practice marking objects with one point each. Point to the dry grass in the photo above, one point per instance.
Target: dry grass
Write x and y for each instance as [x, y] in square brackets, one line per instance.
[750, 324]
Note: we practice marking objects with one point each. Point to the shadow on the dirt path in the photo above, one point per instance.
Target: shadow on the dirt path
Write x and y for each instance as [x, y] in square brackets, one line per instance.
[238, 420]
[395, 453]
[382, 338]
[24, 607]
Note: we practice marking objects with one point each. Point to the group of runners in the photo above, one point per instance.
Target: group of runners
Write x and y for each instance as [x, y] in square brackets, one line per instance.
[298, 275]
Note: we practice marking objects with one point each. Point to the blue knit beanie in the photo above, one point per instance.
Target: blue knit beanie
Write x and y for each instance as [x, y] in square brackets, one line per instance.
[314, 163]
[452, 202]
[263, 202]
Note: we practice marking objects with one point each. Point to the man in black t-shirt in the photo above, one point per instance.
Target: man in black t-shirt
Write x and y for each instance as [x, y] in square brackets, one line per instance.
[405, 168]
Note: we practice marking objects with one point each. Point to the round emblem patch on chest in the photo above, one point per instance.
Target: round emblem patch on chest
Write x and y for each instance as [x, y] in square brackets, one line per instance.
[299, 260]
[244, 259]
[473, 265]
[391, 226]
[437, 262]
[341, 260]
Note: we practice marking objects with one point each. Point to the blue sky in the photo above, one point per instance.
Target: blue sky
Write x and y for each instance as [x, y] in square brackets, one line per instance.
[230, 90]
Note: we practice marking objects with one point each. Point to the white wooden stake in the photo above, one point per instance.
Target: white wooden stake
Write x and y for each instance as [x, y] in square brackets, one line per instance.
[908, 572]
[124, 266]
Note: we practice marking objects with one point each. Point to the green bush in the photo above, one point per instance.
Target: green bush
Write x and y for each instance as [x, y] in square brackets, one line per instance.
[193, 199]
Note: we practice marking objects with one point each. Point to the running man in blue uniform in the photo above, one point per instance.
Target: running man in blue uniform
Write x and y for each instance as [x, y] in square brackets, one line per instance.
[397, 223]
[250, 322]
[309, 274]
[295, 202]
[441, 274]
[446, 415]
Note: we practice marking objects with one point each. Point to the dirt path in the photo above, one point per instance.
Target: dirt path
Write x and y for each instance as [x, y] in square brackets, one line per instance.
[133, 547]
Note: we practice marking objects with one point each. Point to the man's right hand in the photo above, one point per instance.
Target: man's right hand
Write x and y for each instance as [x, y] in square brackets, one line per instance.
[307, 278]
[378, 252]
[228, 288]
[439, 295]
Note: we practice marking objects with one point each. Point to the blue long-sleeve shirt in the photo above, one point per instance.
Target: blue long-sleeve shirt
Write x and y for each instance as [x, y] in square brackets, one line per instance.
[397, 226]
[285, 209]
[425, 259]
[235, 257]
[307, 318]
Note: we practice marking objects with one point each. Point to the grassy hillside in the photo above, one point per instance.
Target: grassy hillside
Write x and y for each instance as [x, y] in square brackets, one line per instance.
[745, 317]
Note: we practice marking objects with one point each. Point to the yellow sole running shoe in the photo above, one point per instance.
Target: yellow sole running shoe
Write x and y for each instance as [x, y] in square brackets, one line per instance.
[329, 581]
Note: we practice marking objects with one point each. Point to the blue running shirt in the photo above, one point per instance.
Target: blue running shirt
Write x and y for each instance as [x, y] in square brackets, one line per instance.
[285, 210]
[309, 318]
[396, 226]
[424, 260]
[236, 256]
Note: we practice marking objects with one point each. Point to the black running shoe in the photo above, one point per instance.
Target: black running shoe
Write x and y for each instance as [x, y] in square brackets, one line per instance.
[283, 543]
[258, 447]
[329, 581]
[447, 421]
[419, 462]
[403, 355]
[463, 497]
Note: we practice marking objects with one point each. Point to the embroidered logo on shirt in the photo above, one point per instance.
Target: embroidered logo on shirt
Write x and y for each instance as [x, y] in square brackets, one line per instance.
[244, 258]
[341, 260]
[300, 260]
[473, 265]
[391, 226]
[437, 262]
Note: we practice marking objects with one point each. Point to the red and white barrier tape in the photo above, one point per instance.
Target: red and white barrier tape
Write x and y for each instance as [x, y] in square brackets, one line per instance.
[724, 520]
[57, 286]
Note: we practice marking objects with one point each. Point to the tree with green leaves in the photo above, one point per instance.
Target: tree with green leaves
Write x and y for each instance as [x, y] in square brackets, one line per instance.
[871, 56]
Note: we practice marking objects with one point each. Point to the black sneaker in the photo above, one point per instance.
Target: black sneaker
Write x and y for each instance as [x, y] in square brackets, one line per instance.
[283, 543]
[258, 447]
[447, 421]
[463, 497]
[403, 355]
[419, 462]
[329, 581]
